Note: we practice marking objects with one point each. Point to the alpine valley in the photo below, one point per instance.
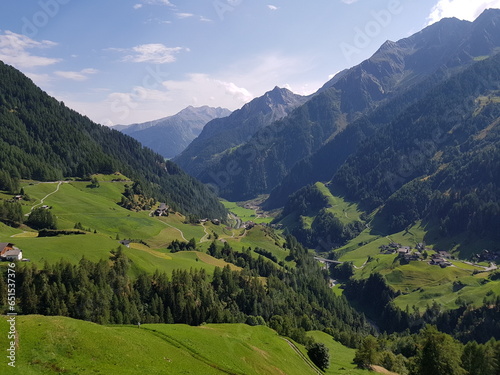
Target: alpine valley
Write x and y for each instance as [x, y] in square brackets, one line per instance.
[349, 231]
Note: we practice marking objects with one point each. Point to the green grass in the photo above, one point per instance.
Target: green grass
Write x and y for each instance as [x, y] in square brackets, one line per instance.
[53, 345]
[472, 294]
[421, 284]
[346, 211]
[97, 209]
[243, 213]
[6, 231]
[95, 247]
[340, 356]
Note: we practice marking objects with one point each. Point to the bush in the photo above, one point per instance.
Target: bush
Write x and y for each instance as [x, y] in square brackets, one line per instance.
[320, 355]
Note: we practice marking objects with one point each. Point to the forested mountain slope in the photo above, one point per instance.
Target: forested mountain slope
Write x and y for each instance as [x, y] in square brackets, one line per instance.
[223, 134]
[439, 50]
[437, 161]
[42, 139]
[413, 66]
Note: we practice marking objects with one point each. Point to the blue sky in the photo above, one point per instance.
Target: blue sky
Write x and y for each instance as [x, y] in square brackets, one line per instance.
[127, 61]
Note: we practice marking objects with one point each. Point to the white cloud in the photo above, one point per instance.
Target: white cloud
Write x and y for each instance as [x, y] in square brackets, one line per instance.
[76, 76]
[273, 7]
[205, 19]
[231, 87]
[462, 9]
[199, 88]
[184, 15]
[155, 53]
[156, 2]
[14, 51]
[138, 6]
[142, 104]
[39, 79]
[157, 21]
[349, 1]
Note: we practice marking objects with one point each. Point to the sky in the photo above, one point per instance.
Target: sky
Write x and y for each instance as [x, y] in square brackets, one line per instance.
[130, 61]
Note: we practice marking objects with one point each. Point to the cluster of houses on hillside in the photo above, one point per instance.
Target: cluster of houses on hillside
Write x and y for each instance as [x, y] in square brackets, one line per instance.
[441, 259]
[407, 254]
[8, 252]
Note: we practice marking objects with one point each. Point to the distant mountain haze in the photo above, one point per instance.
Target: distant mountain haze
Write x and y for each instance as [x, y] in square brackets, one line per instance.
[221, 135]
[169, 136]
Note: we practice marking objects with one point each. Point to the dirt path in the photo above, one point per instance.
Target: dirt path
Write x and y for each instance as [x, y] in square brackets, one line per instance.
[205, 237]
[177, 229]
[48, 195]
[301, 355]
[362, 266]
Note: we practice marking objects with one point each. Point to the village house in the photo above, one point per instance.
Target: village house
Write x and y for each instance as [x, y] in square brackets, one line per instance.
[8, 252]
[162, 210]
[438, 260]
[249, 225]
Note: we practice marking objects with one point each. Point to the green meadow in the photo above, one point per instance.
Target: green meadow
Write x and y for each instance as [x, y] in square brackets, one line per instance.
[106, 223]
[346, 211]
[420, 283]
[341, 357]
[245, 214]
[54, 345]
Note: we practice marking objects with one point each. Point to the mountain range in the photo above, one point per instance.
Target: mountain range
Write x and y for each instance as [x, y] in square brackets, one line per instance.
[377, 183]
[220, 136]
[169, 136]
[466, 43]
[400, 71]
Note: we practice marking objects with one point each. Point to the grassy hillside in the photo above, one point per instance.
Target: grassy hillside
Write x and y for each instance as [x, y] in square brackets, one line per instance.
[346, 211]
[105, 223]
[420, 283]
[42, 139]
[340, 356]
[245, 214]
[53, 345]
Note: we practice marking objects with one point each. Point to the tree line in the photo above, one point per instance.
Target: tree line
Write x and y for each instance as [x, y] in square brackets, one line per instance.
[289, 301]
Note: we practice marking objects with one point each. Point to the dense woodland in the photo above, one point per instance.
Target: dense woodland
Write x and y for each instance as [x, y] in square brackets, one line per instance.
[326, 231]
[436, 160]
[42, 139]
[444, 167]
[292, 301]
